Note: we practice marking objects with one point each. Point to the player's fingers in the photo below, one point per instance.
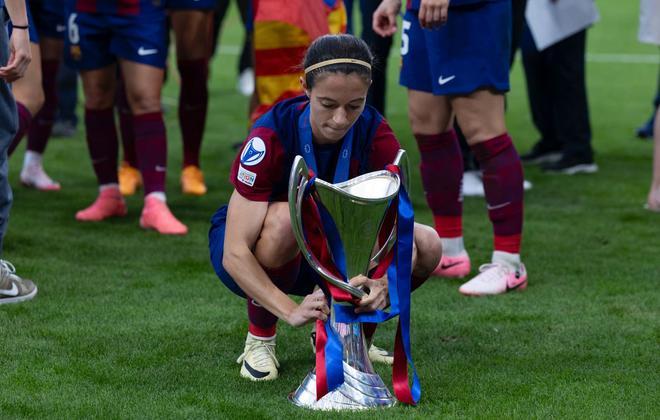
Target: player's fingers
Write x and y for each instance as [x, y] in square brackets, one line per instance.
[421, 13]
[436, 15]
[379, 22]
[320, 315]
[324, 308]
[358, 281]
[444, 14]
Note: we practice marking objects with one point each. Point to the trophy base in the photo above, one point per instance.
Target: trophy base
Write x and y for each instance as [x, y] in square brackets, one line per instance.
[360, 391]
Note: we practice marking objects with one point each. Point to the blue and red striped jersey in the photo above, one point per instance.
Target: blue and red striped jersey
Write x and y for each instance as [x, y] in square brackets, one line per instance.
[119, 7]
[261, 170]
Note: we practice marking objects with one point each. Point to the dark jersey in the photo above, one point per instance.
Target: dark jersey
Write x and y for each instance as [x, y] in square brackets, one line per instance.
[118, 7]
[261, 170]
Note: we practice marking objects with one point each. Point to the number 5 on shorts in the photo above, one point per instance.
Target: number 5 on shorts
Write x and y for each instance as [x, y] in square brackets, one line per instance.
[405, 39]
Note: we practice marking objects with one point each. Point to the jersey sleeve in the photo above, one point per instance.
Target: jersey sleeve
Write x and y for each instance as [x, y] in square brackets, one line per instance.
[384, 147]
[258, 165]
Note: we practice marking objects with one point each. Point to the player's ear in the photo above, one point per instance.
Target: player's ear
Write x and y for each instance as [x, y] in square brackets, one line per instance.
[303, 84]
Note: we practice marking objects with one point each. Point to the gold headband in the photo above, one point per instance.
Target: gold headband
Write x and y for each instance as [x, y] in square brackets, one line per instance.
[337, 61]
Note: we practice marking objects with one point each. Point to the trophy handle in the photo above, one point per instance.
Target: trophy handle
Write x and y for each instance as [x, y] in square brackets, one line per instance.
[298, 181]
[401, 160]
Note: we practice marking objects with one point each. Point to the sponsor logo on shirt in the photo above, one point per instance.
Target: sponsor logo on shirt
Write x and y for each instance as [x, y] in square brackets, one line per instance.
[246, 177]
[253, 152]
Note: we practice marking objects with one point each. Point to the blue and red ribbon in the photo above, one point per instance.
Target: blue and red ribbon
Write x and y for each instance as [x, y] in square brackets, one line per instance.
[319, 226]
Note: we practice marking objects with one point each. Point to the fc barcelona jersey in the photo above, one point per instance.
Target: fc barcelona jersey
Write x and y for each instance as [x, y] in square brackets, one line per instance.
[261, 170]
[118, 7]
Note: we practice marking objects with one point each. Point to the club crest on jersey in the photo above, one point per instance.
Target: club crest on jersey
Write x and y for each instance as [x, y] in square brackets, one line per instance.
[253, 152]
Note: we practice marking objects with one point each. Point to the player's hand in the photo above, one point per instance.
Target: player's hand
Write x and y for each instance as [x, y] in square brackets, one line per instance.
[384, 18]
[433, 13]
[314, 306]
[19, 56]
[378, 297]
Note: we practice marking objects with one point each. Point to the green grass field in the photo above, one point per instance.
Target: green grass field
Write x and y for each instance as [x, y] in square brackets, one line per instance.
[129, 324]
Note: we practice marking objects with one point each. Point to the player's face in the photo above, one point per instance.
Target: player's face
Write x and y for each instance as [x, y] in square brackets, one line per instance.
[336, 101]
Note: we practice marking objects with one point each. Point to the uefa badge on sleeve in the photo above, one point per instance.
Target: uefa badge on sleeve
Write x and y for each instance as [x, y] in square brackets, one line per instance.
[253, 152]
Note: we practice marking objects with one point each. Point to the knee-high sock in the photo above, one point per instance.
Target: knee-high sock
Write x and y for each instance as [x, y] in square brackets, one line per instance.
[503, 184]
[102, 144]
[151, 150]
[41, 127]
[24, 121]
[262, 322]
[442, 174]
[193, 102]
[126, 125]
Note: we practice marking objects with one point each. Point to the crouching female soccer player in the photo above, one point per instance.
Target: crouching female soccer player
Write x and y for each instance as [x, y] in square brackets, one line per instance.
[252, 246]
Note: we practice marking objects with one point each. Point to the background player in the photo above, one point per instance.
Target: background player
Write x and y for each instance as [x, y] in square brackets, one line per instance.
[30, 93]
[192, 21]
[252, 246]
[133, 33]
[462, 69]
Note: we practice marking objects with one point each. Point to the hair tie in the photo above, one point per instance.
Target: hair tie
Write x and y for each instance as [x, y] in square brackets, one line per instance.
[337, 61]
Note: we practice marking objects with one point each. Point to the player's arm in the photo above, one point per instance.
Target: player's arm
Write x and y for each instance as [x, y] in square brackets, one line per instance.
[245, 219]
[383, 21]
[19, 44]
[433, 13]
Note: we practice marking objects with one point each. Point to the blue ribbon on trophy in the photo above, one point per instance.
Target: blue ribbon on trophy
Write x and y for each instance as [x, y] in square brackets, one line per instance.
[330, 372]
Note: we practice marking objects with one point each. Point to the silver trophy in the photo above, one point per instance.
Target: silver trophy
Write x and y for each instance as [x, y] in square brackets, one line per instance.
[358, 207]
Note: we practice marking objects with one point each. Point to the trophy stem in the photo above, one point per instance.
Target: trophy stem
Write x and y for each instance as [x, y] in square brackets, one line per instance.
[362, 389]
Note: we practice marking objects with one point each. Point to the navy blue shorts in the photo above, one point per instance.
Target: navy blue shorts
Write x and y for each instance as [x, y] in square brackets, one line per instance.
[50, 18]
[97, 40]
[470, 52]
[307, 278]
[192, 4]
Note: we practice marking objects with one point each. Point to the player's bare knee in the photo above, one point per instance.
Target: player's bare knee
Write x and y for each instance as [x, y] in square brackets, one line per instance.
[99, 99]
[429, 249]
[142, 103]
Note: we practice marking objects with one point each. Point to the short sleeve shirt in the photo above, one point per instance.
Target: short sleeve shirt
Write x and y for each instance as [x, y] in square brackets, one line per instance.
[261, 170]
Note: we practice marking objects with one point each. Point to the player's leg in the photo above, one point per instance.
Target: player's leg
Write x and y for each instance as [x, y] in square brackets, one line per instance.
[277, 252]
[33, 173]
[140, 44]
[99, 87]
[49, 20]
[29, 96]
[143, 90]
[441, 160]
[481, 116]
[87, 48]
[193, 31]
[129, 174]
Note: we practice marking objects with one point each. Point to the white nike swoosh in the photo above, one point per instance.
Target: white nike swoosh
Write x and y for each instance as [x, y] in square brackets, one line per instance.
[446, 79]
[10, 292]
[144, 51]
[60, 28]
[160, 168]
[498, 206]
